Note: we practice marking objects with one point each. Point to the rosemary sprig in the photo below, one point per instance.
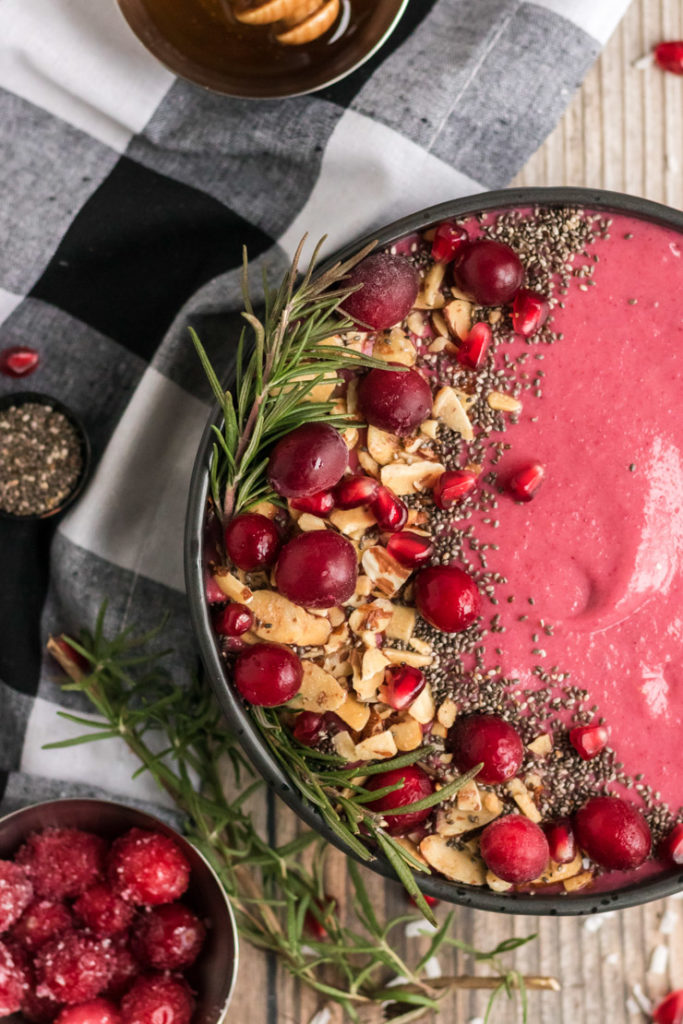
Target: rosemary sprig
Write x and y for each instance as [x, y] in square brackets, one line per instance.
[272, 889]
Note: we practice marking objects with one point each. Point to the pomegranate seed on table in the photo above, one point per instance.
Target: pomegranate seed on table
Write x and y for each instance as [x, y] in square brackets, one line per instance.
[452, 486]
[670, 1009]
[73, 968]
[16, 892]
[97, 1011]
[431, 901]
[389, 288]
[316, 928]
[449, 238]
[233, 620]
[415, 785]
[251, 541]
[529, 312]
[317, 569]
[12, 982]
[669, 56]
[397, 401]
[515, 849]
[490, 271]
[447, 597]
[613, 833]
[402, 685]
[308, 728]
[41, 921]
[473, 350]
[18, 361]
[487, 740]
[390, 512]
[410, 549]
[168, 937]
[561, 840]
[589, 740]
[671, 847]
[157, 997]
[319, 504]
[353, 491]
[62, 862]
[103, 911]
[148, 868]
[524, 483]
[308, 460]
[267, 675]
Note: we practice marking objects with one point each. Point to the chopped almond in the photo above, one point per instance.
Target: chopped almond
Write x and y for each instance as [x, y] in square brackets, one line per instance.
[319, 691]
[374, 616]
[369, 675]
[367, 463]
[410, 848]
[407, 658]
[395, 346]
[458, 316]
[522, 797]
[402, 623]
[281, 621]
[407, 734]
[450, 821]
[387, 575]
[308, 522]
[353, 713]
[344, 746]
[503, 403]
[265, 508]
[468, 797]
[231, 586]
[439, 731]
[430, 428]
[496, 883]
[447, 713]
[383, 447]
[542, 745]
[381, 745]
[430, 295]
[409, 479]
[353, 522]
[422, 709]
[448, 408]
[559, 872]
[578, 881]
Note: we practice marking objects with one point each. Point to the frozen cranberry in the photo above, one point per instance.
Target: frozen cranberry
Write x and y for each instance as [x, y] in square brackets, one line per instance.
[233, 620]
[12, 983]
[38, 1009]
[72, 968]
[487, 740]
[414, 784]
[452, 486]
[16, 892]
[352, 491]
[157, 999]
[669, 56]
[589, 740]
[319, 504]
[529, 312]
[42, 921]
[308, 728]
[402, 684]
[473, 351]
[251, 541]
[268, 675]
[410, 549]
[490, 271]
[671, 847]
[168, 937]
[97, 1011]
[18, 361]
[317, 569]
[125, 968]
[148, 868]
[103, 911]
[514, 848]
[449, 238]
[397, 401]
[670, 1009]
[561, 840]
[390, 512]
[613, 833]
[447, 597]
[310, 459]
[389, 287]
[524, 483]
[62, 862]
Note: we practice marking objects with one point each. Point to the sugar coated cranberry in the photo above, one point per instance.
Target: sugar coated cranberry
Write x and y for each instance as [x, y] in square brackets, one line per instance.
[97, 1011]
[157, 999]
[16, 892]
[12, 983]
[310, 459]
[669, 56]
[233, 620]
[589, 740]
[487, 740]
[390, 512]
[62, 862]
[72, 968]
[352, 491]
[308, 728]
[414, 784]
[452, 486]
[524, 483]
[148, 868]
[268, 674]
[103, 911]
[473, 351]
[125, 968]
[561, 840]
[389, 287]
[490, 271]
[251, 541]
[529, 312]
[514, 848]
[410, 549]
[402, 684]
[449, 238]
[38, 1009]
[42, 921]
[169, 937]
[613, 833]
[317, 569]
[670, 1009]
[397, 401]
[319, 504]
[671, 847]
[447, 597]
[18, 361]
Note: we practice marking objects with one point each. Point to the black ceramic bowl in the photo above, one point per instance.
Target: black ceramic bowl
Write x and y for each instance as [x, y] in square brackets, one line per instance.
[655, 887]
[213, 975]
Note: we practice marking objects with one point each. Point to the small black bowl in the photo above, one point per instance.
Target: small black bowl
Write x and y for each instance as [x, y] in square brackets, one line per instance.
[651, 888]
[19, 398]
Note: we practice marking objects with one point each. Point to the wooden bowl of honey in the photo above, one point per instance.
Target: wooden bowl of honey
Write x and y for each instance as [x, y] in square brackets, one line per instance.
[262, 49]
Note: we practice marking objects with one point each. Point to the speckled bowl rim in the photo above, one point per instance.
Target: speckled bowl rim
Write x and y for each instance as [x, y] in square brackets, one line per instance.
[656, 887]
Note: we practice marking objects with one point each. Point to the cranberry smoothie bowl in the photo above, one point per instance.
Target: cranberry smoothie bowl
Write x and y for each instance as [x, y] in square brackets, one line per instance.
[441, 604]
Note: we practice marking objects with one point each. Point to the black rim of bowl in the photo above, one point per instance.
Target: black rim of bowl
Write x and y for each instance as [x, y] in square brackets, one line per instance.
[663, 884]
[40, 398]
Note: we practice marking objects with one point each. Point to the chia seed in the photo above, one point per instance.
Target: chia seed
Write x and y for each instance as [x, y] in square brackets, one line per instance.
[41, 459]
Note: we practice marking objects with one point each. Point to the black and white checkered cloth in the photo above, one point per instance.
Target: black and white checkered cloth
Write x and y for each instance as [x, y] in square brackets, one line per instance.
[125, 198]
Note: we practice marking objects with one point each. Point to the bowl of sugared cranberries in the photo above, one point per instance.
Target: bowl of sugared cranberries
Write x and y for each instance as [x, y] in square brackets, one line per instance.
[109, 916]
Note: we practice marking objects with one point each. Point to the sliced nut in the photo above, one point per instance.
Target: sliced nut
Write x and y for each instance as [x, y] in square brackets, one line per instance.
[344, 746]
[450, 821]
[410, 848]
[439, 324]
[439, 730]
[458, 316]
[231, 586]
[495, 316]
[458, 293]
[447, 713]
[542, 745]
[319, 691]
[387, 575]
[522, 797]
[468, 797]
[374, 616]
[438, 345]
[352, 397]
[559, 872]
[366, 462]
[265, 508]
[338, 639]
[282, 621]
[448, 408]
[351, 437]
[308, 522]
[458, 865]
[354, 713]
[338, 663]
[421, 646]
[407, 734]
[395, 347]
[503, 403]
[370, 674]
[336, 615]
[430, 295]
[402, 623]
[383, 447]
[381, 745]
[430, 428]
[578, 881]
[496, 883]
[422, 709]
[407, 658]
[408, 479]
[353, 522]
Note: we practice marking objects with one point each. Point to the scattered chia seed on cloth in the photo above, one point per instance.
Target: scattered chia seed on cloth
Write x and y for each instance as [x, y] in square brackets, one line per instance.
[40, 459]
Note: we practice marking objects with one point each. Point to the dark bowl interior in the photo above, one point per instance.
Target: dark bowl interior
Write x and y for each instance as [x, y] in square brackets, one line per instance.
[198, 40]
[651, 888]
[212, 977]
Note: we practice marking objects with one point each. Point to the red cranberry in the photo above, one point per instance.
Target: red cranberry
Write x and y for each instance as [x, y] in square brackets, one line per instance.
[402, 684]
[103, 911]
[62, 862]
[251, 541]
[514, 848]
[125, 968]
[38, 1009]
[452, 486]
[447, 597]
[613, 833]
[561, 840]
[157, 999]
[148, 868]
[12, 983]
[472, 353]
[233, 620]
[319, 504]
[523, 484]
[310, 459]
[671, 847]
[317, 569]
[73, 968]
[308, 728]
[449, 238]
[389, 288]
[18, 361]
[487, 740]
[390, 512]
[315, 927]
[589, 740]
[16, 892]
[415, 785]
[529, 312]
[268, 674]
[490, 271]
[670, 1009]
[169, 937]
[352, 491]
[397, 401]
[410, 549]
[97, 1011]
[669, 56]
[42, 921]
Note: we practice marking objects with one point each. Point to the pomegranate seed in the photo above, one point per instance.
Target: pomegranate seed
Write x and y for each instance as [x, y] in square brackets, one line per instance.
[613, 832]
[431, 901]
[18, 361]
[315, 927]
[308, 728]
[320, 504]
[148, 868]
[233, 620]
[523, 484]
[514, 848]
[561, 840]
[589, 740]
[389, 511]
[448, 238]
[529, 312]
[671, 847]
[410, 549]
[353, 491]
[453, 485]
[670, 1010]
[669, 56]
[472, 352]
[402, 684]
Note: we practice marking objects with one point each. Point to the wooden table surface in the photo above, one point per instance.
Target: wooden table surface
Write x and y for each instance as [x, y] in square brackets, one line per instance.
[624, 131]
